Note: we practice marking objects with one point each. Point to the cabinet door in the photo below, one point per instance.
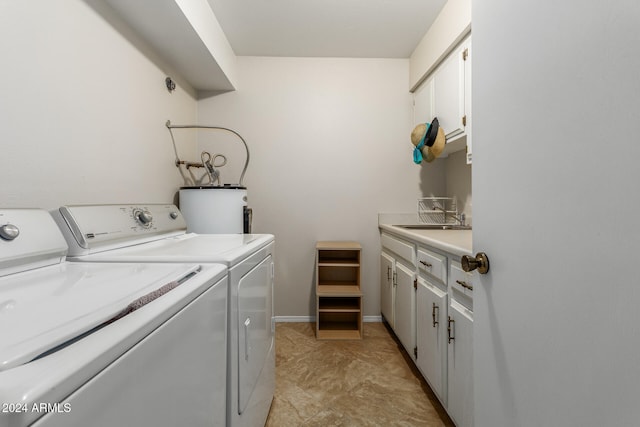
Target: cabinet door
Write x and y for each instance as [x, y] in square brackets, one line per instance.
[467, 100]
[386, 287]
[423, 103]
[460, 367]
[431, 338]
[449, 91]
[404, 313]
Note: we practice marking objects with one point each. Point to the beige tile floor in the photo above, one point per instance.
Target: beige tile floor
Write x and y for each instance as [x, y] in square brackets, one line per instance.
[365, 382]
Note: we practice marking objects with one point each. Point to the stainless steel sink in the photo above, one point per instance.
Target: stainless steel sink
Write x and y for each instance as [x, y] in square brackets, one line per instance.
[435, 227]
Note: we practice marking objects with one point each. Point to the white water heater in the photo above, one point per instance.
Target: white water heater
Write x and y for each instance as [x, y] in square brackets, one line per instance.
[215, 210]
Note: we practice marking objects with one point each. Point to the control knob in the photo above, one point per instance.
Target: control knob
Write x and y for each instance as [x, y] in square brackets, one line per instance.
[9, 231]
[144, 218]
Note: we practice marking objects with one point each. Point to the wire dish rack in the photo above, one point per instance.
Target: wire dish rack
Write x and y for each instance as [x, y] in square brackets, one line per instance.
[437, 210]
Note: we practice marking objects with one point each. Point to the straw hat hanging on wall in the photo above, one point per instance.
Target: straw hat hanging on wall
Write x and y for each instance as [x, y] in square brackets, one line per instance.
[438, 146]
[429, 141]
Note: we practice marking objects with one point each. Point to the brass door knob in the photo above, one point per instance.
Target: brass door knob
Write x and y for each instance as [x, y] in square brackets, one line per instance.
[481, 262]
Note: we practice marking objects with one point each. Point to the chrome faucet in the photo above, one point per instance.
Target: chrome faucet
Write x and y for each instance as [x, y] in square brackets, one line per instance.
[460, 218]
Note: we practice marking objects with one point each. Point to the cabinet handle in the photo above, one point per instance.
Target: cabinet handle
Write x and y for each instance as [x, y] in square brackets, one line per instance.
[426, 264]
[450, 329]
[395, 278]
[464, 285]
[388, 273]
[434, 316]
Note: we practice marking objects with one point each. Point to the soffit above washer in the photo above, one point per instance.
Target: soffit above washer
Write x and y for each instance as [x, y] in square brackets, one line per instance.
[325, 28]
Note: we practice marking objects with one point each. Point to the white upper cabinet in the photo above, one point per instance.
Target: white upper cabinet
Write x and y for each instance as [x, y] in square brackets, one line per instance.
[423, 103]
[467, 96]
[446, 94]
[449, 93]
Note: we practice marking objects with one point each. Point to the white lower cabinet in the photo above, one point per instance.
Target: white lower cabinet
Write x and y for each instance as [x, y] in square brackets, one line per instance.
[431, 325]
[398, 302]
[460, 366]
[387, 287]
[428, 302]
[404, 313]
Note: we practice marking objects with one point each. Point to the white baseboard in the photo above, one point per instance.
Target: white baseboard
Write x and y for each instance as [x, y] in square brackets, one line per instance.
[307, 319]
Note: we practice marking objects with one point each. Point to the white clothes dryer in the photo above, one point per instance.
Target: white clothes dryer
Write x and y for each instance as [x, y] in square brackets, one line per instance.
[105, 344]
[157, 233]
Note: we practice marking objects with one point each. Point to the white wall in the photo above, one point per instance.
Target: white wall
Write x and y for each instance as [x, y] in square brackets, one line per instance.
[458, 182]
[82, 111]
[330, 148]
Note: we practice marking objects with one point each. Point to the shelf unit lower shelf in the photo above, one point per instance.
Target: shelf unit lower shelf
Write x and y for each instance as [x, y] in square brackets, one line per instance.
[338, 293]
[338, 334]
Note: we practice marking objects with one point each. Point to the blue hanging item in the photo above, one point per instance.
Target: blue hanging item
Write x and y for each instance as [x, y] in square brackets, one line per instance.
[417, 151]
[424, 135]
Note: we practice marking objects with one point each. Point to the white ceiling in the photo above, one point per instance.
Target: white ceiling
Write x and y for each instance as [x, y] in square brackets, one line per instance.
[326, 28]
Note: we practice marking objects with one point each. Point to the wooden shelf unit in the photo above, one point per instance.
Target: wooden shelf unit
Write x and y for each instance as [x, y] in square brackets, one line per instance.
[338, 293]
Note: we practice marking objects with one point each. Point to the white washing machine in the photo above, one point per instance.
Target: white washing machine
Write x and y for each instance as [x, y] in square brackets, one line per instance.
[157, 233]
[105, 344]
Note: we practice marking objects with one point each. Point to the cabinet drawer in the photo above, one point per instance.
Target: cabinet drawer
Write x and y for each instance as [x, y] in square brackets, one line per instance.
[399, 247]
[461, 280]
[433, 263]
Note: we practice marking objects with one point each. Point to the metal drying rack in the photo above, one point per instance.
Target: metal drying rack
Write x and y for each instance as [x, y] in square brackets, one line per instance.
[437, 210]
[188, 165]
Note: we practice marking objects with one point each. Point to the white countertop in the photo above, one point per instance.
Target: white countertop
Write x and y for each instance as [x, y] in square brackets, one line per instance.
[456, 242]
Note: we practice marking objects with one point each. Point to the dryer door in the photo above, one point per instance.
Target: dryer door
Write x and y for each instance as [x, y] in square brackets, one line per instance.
[255, 335]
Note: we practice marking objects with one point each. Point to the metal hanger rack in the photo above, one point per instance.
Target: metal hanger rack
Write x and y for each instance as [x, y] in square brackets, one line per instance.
[187, 164]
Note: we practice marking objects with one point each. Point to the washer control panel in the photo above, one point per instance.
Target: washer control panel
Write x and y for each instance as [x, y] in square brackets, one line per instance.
[95, 227]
